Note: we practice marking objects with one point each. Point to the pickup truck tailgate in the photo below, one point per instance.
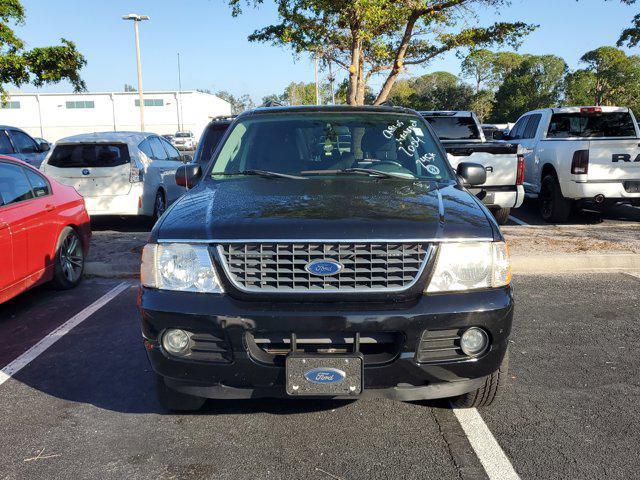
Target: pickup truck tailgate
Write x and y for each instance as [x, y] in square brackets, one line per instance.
[499, 160]
[614, 160]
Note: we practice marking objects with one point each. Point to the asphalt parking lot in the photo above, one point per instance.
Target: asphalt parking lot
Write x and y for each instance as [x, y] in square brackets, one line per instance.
[85, 407]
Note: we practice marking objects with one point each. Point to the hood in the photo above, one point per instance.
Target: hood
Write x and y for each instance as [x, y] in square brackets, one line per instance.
[344, 208]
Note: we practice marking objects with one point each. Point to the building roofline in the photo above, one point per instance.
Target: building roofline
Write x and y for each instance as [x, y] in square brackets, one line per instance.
[146, 92]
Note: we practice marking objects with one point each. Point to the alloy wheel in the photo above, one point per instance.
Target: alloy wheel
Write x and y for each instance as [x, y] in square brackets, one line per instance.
[71, 258]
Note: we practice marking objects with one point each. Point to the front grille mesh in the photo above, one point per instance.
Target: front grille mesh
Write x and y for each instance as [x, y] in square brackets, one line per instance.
[280, 267]
[440, 346]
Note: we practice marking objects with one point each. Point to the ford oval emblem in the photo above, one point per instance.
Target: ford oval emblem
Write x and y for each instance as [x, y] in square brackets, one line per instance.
[86, 171]
[324, 375]
[323, 268]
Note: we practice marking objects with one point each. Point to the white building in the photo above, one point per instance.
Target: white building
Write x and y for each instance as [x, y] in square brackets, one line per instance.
[56, 115]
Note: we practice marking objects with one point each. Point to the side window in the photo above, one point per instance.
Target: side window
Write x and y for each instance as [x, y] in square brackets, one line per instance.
[156, 148]
[145, 148]
[532, 126]
[39, 184]
[5, 145]
[518, 129]
[24, 143]
[172, 152]
[14, 186]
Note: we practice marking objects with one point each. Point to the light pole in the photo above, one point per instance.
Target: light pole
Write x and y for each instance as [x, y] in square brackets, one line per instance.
[137, 19]
[181, 122]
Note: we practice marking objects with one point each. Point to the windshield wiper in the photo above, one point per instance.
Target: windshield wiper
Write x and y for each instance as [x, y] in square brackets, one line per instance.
[360, 171]
[261, 173]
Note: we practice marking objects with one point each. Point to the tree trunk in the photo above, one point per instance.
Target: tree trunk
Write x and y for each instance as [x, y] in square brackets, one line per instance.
[397, 63]
[362, 84]
[356, 49]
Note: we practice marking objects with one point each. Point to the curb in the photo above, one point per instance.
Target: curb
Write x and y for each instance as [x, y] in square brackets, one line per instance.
[537, 264]
[520, 264]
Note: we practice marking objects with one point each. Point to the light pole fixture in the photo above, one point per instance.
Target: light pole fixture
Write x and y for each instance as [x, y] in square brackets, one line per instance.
[137, 19]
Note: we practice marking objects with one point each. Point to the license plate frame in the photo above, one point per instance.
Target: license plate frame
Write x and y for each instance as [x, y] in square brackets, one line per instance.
[302, 369]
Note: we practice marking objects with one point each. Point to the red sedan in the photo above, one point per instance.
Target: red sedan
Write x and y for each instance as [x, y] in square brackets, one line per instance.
[44, 230]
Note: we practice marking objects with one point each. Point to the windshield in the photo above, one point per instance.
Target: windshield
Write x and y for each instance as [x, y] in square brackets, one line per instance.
[596, 124]
[184, 134]
[454, 128]
[327, 143]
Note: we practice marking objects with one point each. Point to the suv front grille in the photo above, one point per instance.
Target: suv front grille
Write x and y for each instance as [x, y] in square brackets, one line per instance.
[280, 267]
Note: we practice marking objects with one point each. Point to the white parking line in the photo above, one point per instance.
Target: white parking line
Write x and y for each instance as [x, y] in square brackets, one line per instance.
[518, 221]
[633, 274]
[27, 357]
[487, 449]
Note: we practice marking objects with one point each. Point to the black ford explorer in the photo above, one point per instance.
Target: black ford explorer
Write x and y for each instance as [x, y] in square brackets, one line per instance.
[327, 251]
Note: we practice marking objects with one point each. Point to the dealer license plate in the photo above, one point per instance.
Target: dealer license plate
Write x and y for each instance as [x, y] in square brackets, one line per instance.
[319, 375]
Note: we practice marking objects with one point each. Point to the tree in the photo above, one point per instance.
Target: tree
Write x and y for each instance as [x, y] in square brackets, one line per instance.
[300, 93]
[368, 37]
[238, 104]
[630, 36]
[610, 78]
[482, 103]
[478, 65]
[38, 66]
[489, 69]
[434, 91]
[538, 82]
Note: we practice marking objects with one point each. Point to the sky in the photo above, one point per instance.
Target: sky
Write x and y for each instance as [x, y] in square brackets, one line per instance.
[216, 55]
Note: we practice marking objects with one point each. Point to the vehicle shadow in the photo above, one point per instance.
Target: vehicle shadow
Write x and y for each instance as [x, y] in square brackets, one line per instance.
[121, 224]
[529, 213]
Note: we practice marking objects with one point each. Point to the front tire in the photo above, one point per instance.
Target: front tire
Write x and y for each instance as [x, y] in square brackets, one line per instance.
[554, 208]
[501, 215]
[68, 264]
[175, 401]
[484, 396]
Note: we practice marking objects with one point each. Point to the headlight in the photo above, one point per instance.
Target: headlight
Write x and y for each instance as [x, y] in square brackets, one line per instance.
[179, 266]
[469, 266]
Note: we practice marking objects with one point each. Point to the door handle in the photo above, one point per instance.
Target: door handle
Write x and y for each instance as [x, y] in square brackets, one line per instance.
[49, 207]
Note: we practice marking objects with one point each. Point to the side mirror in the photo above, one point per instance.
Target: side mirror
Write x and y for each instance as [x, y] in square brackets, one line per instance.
[186, 158]
[188, 175]
[500, 135]
[44, 147]
[472, 174]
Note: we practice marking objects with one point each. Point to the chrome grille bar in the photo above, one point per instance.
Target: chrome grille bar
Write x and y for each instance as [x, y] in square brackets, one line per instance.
[366, 267]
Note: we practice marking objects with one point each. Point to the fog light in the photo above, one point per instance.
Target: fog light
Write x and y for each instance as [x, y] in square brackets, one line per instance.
[175, 341]
[474, 341]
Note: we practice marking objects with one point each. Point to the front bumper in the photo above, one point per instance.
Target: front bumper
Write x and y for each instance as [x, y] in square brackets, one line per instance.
[243, 375]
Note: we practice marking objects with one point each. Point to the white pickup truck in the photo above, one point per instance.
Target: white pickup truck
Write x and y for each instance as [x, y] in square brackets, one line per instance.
[464, 141]
[576, 156]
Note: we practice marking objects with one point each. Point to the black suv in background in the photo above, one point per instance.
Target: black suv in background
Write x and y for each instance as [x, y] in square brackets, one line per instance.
[327, 252]
[210, 138]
